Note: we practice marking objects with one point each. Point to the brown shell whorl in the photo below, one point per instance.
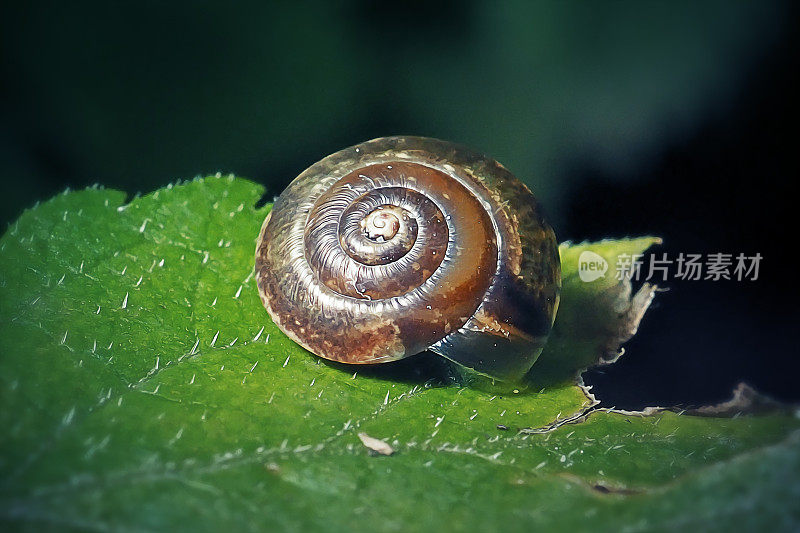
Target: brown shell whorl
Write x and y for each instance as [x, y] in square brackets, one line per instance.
[402, 244]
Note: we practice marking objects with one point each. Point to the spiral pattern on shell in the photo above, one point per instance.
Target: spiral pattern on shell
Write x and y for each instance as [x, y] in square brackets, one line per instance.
[402, 244]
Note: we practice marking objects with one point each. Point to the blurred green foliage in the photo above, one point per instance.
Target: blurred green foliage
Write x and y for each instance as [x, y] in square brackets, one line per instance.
[136, 94]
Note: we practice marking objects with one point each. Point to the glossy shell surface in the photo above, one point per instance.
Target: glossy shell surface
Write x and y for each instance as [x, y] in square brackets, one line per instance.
[402, 244]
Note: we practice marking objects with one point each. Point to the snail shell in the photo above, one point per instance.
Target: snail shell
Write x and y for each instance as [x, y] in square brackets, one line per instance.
[405, 244]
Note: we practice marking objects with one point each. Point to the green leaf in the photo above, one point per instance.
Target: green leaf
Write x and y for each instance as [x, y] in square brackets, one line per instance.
[144, 387]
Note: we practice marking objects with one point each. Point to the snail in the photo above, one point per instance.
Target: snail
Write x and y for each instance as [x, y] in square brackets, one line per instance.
[404, 244]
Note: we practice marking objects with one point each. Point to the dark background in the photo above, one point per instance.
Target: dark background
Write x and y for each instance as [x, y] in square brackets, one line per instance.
[675, 119]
